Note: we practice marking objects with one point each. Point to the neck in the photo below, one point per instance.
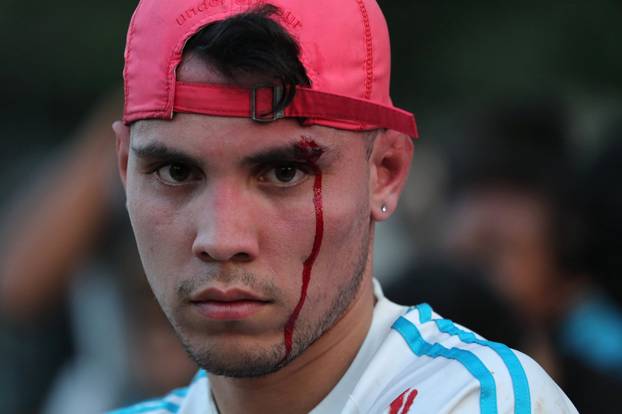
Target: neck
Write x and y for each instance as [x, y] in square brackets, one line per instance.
[303, 383]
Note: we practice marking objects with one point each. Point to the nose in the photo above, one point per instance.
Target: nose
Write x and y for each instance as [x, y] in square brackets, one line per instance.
[226, 224]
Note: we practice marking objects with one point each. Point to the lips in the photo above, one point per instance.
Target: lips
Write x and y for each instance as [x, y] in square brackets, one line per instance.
[230, 304]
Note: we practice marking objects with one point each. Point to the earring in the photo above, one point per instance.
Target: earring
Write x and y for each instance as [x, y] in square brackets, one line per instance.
[384, 208]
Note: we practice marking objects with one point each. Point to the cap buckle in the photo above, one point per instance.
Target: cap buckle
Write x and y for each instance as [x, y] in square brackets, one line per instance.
[277, 95]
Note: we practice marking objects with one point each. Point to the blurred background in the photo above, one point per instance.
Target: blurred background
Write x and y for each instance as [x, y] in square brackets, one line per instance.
[510, 223]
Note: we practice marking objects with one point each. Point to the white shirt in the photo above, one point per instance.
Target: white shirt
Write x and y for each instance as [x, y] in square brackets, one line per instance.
[413, 361]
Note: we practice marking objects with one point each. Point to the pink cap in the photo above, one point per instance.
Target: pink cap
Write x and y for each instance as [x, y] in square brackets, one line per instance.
[344, 48]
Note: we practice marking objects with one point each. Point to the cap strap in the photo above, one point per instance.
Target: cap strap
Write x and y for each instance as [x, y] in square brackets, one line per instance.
[258, 104]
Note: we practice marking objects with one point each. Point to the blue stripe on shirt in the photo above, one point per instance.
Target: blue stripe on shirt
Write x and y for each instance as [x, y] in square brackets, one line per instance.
[199, 375]
[488, 389]
[180, 392]
[520, 384]
[147, 407]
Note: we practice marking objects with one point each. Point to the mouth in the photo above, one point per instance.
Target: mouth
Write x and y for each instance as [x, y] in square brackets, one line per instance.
[227, 305]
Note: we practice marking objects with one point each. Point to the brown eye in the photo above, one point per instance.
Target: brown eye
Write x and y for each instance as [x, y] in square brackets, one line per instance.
[174, 174]
[179, 172]
[285, 174]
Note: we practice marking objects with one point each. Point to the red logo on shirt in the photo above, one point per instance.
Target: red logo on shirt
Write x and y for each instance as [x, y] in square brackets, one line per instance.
[402, 404]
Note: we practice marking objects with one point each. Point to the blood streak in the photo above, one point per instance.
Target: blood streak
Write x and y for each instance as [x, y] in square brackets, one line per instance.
[398, 406]
[409, 401]
[311, 152]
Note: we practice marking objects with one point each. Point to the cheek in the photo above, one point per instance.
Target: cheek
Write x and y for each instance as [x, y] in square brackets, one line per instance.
[286, 238]
[286, 232]
[346, 219]
[159, 237]
[344, 246]
[292, 229]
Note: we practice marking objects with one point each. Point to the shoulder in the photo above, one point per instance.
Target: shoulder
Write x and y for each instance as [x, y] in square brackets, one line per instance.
[434, 365]
[546, 395]
[188, 400]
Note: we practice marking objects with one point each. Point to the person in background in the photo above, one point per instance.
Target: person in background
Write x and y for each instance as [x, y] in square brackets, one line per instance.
[67, 244]
[460, 293]
[518, 215]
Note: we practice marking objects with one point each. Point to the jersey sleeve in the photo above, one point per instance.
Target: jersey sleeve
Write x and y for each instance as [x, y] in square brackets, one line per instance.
[546, 396]
[428, 364]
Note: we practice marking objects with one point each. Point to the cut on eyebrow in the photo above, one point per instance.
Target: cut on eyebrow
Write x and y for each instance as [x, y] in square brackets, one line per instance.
[158, 151]
[288, 152]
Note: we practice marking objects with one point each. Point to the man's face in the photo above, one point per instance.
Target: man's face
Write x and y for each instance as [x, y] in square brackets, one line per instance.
[227, 212]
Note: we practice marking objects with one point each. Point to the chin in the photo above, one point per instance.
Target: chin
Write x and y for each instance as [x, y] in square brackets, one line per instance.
[236, 361]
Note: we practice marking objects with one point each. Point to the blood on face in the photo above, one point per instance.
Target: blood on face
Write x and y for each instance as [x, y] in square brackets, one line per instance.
[310, 151]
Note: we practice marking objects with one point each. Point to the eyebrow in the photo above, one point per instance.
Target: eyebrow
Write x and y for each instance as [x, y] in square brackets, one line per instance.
[284, 153]
[159, 151]
[288, 152]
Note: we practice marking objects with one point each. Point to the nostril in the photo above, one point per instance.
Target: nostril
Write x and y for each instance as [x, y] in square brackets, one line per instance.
[203, 255]
[241, 257]
[238, 257]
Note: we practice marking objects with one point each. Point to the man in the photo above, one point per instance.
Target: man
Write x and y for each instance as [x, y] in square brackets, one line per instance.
[259, 148]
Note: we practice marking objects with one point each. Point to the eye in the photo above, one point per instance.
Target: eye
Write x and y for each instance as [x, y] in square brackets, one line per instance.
[286, 175]
[175, 174]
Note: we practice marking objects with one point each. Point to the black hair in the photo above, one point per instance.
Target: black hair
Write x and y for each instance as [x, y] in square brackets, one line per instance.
[252, 43]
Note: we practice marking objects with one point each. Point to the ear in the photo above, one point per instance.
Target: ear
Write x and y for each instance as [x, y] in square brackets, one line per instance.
[122, 133]
[390, 160]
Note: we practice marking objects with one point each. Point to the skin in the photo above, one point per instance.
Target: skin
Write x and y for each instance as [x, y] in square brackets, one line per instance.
[216, 209]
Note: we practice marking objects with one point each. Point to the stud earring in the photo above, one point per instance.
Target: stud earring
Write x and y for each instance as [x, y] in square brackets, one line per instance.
[384, 208]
